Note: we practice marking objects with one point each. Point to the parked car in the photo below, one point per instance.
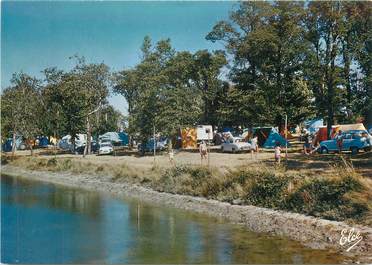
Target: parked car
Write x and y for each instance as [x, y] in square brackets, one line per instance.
[353, 141]
[94, 148]
[235, 144]
[105, 149]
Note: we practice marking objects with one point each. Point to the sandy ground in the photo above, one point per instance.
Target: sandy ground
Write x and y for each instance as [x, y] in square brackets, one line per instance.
[314, 164]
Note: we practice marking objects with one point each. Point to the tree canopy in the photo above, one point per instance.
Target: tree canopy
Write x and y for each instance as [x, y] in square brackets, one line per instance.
[299, 59]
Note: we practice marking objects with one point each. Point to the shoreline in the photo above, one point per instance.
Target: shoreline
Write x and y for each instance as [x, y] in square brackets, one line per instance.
[310, 231]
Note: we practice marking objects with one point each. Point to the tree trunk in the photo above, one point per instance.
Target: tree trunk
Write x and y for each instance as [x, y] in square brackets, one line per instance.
[89, 137]
[346, 58]
[73, 142]
[14, 144]
[55, 144]
[331, 93]
[31, 150]
[87, 148]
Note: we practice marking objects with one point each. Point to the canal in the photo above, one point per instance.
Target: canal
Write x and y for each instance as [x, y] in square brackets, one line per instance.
[46, 223]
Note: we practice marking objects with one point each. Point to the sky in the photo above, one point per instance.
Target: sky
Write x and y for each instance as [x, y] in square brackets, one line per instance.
[36, 35]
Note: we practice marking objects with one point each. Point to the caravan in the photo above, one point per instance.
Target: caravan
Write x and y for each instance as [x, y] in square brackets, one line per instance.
[204, 133]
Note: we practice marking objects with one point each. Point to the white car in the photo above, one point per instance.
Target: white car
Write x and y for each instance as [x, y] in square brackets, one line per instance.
[235, 144]
[105, 149]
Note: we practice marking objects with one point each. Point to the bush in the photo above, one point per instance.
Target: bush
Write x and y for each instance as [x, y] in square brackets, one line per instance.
[51, 162]
[327, 198]
[266, 190]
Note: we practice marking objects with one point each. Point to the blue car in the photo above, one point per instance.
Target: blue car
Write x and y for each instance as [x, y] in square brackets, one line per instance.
[353, 140]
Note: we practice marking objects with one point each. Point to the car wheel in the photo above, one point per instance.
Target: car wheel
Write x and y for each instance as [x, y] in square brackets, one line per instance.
[354, 150]
[233, 150]
[222, 150]
[324, 150]
[367, 149]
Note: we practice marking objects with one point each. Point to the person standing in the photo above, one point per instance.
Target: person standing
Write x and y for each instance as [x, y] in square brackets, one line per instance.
[203, 150]
[277, 153]
[171, 156]
[254, 145]
[339, 141]
[307, 144]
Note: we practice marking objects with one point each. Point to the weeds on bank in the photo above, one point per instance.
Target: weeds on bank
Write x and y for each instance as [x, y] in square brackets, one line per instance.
[345, 196]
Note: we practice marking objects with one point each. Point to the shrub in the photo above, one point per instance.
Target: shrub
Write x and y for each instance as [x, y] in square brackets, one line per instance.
[327, 198]
[266, 190]
[52, 162]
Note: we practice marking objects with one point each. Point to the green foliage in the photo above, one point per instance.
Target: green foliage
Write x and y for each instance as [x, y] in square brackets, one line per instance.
[20, 107]
[285, 54]
[170, 89]
[266, 42]
[337, 198]
[294, 58]
[267, 190]
[327, 198]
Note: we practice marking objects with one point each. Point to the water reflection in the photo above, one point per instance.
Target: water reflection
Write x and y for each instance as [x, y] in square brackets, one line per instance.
[52, 224]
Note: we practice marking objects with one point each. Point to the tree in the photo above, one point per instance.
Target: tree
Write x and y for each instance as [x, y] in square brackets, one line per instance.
[106, 120]
[206, 76]
[20, 109]
[53, 122]
[93, 83]
[266, 43]
[159, 91]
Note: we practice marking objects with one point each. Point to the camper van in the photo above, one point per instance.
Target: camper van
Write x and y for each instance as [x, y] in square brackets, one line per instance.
[204, 133]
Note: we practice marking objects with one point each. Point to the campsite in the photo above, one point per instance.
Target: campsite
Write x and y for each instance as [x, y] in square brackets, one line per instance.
[198, 132]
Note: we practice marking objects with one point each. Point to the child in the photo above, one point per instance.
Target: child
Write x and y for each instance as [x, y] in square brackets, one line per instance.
[277, 153]
[203, 150]
[254, 147]
[171, 156]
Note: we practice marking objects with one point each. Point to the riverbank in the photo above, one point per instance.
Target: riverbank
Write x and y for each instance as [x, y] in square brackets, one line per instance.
[312, 232]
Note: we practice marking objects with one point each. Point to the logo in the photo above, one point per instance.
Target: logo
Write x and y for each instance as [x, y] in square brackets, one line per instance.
[350, 238]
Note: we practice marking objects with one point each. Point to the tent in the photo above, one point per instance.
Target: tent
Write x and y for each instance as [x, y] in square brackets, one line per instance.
[8, 145]
[124, 138]
[349, 127]
[262, 134]
[274, 138]
[313, 125]
[43, 142]
[66, 144]
[114, 137]
[189, 138]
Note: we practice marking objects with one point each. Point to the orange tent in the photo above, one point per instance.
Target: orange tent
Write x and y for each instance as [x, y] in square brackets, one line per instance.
[189, 138]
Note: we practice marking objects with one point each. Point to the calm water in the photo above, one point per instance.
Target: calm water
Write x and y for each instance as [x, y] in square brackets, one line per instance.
[44, 223]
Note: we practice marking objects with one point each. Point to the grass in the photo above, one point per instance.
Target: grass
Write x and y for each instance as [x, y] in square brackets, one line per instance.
[341, 194]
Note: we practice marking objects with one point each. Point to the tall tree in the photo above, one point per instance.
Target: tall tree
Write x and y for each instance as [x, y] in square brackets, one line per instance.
[20, 109]
[207, 78]
[92, 80]
[268, 49]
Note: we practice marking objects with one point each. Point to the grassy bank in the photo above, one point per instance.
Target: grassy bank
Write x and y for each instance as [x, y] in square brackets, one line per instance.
[341, 195]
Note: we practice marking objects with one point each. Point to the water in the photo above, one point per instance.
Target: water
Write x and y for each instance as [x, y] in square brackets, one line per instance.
[44, 223]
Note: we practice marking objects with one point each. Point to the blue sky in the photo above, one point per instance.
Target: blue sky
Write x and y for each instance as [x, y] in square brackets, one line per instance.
[36, 35]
